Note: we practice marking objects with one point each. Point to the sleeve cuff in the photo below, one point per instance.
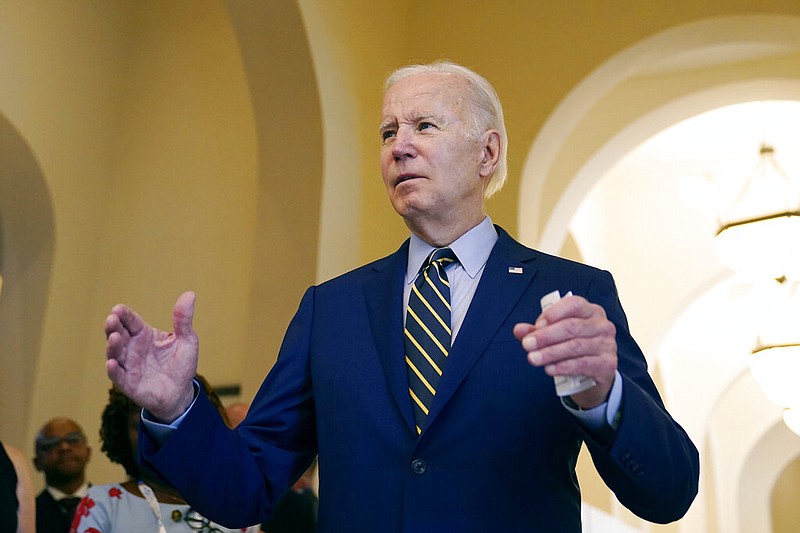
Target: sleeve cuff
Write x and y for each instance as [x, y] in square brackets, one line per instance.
[607, 414]
[161, 432]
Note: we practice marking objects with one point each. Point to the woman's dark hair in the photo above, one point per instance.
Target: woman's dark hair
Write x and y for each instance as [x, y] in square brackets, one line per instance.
[116, 415]
[114, 431]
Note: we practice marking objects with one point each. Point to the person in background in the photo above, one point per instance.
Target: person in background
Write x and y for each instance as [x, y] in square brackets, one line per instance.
[61, 455]
[296, 511]
[424, 381]
[17, 513]
[236, 413]
[145, 502]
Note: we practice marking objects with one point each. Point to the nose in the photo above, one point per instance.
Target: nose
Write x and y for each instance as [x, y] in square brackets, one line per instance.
[404, 146]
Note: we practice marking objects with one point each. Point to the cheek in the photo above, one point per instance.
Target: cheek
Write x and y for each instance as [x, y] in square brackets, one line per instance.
[386, 162]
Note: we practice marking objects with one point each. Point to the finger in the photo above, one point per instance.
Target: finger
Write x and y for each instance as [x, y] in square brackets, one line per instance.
[112, 324]
[114, 344]
[128, 319]
[115, 349]
[568, 307]
[600, 367]
[183, 314]
[119, 377]
[522, 329]
[544, 350]
[114, 371]
[568, 329]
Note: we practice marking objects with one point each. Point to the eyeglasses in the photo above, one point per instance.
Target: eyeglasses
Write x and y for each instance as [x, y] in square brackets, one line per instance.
[47, 444]
[200, 523]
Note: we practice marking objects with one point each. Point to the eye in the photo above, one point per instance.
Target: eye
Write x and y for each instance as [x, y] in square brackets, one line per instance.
[425, 126]
[387, 134]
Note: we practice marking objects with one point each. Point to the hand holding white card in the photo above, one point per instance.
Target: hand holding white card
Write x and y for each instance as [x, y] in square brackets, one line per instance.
[566, 385]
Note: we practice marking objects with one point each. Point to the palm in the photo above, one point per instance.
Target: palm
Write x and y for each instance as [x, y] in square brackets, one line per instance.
[152, 367]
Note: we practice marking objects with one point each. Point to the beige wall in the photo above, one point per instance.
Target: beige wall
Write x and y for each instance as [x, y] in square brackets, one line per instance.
[60, 76]
[230, 148]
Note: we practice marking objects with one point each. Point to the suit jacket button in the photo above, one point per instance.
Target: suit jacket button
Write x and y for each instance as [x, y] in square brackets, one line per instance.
[418, 466]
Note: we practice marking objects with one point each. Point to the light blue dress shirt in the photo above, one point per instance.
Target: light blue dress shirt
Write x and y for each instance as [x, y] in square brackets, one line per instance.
[473, 249]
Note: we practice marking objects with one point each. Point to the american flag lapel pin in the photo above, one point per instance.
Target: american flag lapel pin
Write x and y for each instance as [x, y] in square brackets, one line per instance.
[515, 270]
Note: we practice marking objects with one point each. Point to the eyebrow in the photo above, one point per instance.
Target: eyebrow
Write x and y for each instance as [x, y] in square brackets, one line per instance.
[416, 119]
[386, 124]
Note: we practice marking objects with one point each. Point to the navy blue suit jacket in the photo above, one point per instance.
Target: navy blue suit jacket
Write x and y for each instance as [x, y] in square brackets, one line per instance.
[499, 451]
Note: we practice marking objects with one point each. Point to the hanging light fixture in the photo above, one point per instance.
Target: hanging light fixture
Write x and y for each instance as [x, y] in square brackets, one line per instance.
[759, 237]
[775, 360]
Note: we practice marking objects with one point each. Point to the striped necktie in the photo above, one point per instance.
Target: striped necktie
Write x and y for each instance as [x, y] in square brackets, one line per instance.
[427, 331]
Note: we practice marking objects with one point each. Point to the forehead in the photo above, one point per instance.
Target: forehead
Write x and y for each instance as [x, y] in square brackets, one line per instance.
[61, 427]
[429, 93]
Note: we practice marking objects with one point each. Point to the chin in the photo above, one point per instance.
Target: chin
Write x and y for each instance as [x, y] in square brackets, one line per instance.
[405, 209]
[408, 202]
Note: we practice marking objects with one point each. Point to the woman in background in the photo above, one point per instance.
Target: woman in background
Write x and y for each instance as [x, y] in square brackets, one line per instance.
[17, 510]
[144, 503]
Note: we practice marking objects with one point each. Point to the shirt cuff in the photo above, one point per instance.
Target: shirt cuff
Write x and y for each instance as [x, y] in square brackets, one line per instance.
[605, 414]
[161, 432]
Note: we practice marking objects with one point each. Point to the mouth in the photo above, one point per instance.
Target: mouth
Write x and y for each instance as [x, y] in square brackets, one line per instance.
[402, 178]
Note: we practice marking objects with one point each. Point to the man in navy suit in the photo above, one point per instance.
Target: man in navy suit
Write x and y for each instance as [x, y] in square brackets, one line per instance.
[497, 449]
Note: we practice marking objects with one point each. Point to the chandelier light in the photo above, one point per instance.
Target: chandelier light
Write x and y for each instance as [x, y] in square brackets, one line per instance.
[776, 369]
[775, 360]
[759, 237]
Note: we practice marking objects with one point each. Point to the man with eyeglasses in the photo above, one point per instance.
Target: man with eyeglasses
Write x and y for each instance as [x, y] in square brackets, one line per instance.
[62, 455]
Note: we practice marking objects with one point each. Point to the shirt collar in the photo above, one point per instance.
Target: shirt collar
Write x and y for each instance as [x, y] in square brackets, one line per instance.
[58, 495]
[472, 249]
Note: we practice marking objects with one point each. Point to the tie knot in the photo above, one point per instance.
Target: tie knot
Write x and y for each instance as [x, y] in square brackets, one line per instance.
[69, 504]
[441, 257]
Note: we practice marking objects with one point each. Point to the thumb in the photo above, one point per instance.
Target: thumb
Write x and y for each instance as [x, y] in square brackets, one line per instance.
[182, 315]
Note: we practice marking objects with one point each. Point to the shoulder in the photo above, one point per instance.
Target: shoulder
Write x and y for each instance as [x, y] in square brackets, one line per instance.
[508, 247]
[44, 498]
[99, 510]
[368, 270]
[14, 455]
[20, 464]
[107, 492]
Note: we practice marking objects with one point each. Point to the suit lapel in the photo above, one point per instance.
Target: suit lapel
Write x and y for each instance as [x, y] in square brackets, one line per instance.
[384, 299]
[507, 275]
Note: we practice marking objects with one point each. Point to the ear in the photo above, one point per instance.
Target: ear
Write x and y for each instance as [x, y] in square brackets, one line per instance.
[490, 153]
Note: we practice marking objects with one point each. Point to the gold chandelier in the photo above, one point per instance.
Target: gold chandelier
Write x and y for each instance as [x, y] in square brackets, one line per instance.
[775, 359]
[759, 237]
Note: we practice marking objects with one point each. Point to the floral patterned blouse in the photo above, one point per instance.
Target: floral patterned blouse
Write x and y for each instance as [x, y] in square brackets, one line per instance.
[113, 509]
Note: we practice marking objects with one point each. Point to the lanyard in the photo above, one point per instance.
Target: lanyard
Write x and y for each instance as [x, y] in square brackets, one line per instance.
[148, 494]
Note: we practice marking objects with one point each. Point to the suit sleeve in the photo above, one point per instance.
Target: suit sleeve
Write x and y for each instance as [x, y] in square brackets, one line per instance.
[236, 477]
[651, 464]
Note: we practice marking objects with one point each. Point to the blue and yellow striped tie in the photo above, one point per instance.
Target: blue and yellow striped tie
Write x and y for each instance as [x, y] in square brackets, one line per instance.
[427, 331]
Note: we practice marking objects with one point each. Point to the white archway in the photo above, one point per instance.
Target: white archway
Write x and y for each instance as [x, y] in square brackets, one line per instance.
[597, 115]
[643, 90]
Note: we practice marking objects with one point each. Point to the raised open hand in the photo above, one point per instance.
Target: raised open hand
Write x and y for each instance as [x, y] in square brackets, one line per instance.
[154, 368]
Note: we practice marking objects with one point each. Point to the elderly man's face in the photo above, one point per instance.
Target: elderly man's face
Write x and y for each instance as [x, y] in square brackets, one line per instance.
[62, 452]
[431, 163]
